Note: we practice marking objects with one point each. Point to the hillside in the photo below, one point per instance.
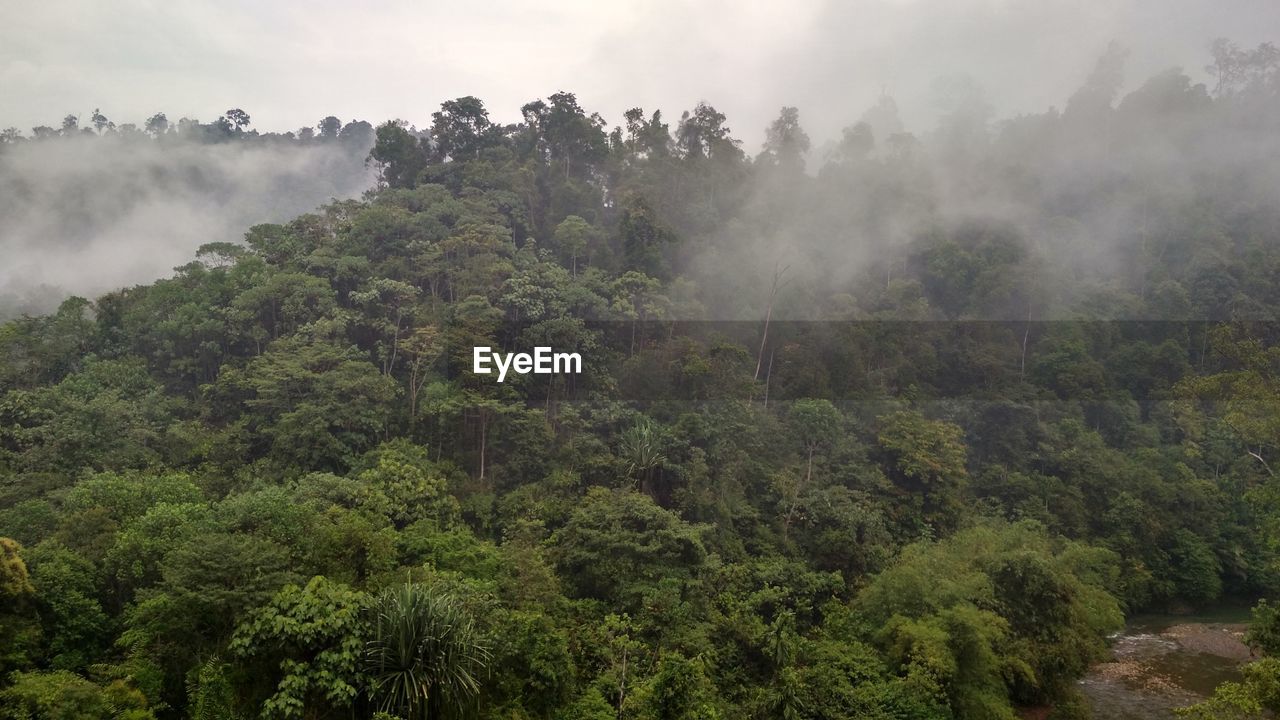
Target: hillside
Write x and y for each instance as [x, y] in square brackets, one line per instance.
[898, 428]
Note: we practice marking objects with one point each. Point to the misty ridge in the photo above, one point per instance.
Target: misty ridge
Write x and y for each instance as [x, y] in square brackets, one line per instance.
[862, 411]
[1143, 204]
[1139, 205]
[90, 210]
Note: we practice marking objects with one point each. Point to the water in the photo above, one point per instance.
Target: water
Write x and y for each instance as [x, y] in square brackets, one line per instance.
[1161, 662]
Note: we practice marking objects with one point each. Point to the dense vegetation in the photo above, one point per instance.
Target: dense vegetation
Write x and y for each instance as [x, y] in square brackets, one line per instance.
[1016, 379]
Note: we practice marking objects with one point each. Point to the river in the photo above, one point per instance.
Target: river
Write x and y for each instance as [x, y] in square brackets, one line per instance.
[1160, 662]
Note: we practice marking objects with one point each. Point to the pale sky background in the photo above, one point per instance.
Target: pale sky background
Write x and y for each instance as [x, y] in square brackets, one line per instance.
[290, 63]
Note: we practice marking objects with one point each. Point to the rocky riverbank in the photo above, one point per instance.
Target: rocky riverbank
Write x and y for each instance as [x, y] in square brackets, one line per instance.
[1160, 664]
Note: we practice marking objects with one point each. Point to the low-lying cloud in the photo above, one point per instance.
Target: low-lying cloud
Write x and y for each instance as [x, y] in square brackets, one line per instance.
[84, 215]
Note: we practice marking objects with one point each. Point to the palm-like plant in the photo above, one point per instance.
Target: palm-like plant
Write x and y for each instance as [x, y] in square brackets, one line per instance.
[425, 654]
[641, 450]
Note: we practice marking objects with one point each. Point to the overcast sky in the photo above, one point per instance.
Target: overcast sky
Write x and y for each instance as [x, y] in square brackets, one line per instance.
[290, 63]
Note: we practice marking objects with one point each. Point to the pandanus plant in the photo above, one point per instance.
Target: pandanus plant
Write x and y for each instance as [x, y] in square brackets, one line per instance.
[641, 450]
[425, 655]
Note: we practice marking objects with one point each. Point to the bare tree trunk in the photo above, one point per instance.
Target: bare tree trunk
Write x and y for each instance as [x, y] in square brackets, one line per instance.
[768, 373]
[622, 683]
[484, 437]
[768, 316]
[395, 343]
[764, 337]
[1258, 456]
[795, 500]
[1022, 363]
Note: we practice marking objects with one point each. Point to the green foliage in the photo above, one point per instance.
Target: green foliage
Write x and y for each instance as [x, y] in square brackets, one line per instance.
[928, 462]
[207, 583]
[400, 154]
[315, 635]
[403, 484]
[63, 695]
[618, 546]
[918, 501]
[1264, 628]
[19, 626]
[424, 655]
[989, 614]
[314, 404]
[680, 690]
[75, 623]
[15, 584]
[211, 695]
[109, 415]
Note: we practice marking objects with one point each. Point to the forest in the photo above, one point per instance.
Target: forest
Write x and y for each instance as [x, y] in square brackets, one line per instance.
[902, 426]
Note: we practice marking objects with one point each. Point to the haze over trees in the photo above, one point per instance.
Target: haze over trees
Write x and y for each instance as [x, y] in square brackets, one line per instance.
[93, 205]
[1019, 380]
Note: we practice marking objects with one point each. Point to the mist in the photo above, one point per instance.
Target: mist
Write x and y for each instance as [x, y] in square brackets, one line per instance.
[1111, 202]
[86, 214]
[1090, 140]
[290, 63]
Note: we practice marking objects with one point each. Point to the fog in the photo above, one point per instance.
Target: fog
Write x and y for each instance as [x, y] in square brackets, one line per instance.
[87, 214]
[1090, 137]
[1129, 197]
[290, 63]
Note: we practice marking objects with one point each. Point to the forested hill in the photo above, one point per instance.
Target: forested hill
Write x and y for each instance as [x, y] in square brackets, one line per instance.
[1019, 378]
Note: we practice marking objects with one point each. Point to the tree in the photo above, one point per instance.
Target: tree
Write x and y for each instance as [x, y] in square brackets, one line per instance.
[817, 423]
[19, 629]
[100, 122]
[399, 155]
[1095, 98]
[1256, 696]
[641, 447]
[239, 118]
[644, 239]
[635, 298]
[619, 545]
[928, 461]
[315, 404]
[424, 654]
[63, 695]
[1246, 398]
[680, 691]
[648, 139]
[157, 125]
[412, 487]
[786, 142]
[75, 623]
[461, 129]
[208, 583]
[329, 127]
[135, 558]
[992, 614]
[1233, 67]
[572, 237]
[422, 349]
[570, 137]
[314, 635]
[702, 134]
[109, 415]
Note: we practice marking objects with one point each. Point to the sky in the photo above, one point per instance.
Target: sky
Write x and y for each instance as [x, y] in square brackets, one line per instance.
[291, 63]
